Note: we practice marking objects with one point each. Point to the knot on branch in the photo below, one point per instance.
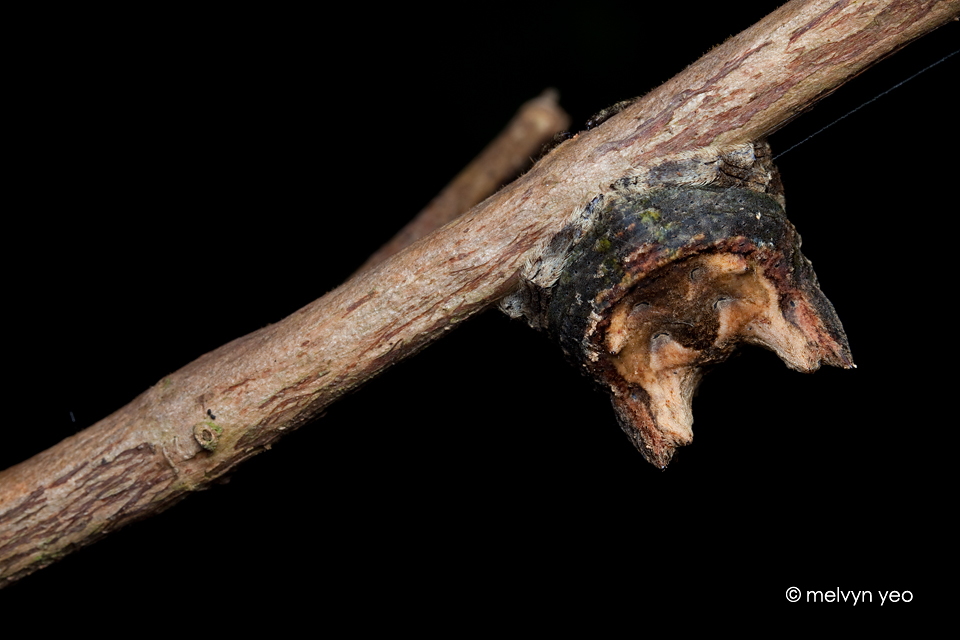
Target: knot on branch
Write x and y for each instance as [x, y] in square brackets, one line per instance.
[663, 276]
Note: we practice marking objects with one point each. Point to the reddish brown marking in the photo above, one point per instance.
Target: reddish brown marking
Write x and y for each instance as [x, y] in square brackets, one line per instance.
[686, 139]
[353, 307]
[238, 385]
[816, 21]
[67, 476]
[294, 388]
[35, 499]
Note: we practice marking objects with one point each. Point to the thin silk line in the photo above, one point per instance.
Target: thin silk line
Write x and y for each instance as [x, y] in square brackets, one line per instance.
[903, 82]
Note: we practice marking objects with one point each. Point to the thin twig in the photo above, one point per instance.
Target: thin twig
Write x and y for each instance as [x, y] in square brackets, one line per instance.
[534, 124]
[164, 444]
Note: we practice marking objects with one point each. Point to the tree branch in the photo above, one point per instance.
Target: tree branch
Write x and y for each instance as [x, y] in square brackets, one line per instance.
[158, 448]
[535, 124]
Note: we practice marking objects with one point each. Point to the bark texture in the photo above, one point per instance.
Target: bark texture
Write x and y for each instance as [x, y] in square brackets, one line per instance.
[535, 124]
[228, 405]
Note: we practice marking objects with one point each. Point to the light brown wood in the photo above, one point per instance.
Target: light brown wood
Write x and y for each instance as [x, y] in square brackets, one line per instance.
[146, 456]
[535, 123]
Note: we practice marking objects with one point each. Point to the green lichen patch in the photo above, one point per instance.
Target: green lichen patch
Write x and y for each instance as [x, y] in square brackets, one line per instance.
[649, 216]
[207, 434]
[652, 219]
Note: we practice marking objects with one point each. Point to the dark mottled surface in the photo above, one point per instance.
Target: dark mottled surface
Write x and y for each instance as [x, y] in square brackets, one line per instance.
[637, 233]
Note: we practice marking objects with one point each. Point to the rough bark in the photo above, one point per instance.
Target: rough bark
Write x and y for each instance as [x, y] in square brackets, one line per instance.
[154, 451]
[535, 124]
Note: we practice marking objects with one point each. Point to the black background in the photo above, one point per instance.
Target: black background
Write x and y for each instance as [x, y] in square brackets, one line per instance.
[187, 179]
